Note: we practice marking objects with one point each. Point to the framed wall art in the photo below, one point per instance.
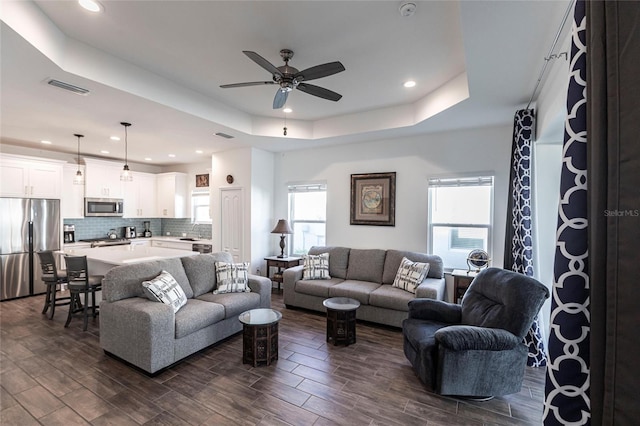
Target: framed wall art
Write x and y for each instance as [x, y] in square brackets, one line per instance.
[373, 199]
[202, 181]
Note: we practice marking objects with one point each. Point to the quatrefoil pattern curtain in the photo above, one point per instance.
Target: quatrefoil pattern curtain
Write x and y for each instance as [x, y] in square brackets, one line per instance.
[567, 384]
[518, 236]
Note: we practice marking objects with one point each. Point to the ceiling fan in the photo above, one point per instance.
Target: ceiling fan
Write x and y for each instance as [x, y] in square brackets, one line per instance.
[289, 78]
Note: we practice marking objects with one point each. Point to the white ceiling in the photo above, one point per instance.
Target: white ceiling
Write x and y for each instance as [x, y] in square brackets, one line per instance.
[159, 65]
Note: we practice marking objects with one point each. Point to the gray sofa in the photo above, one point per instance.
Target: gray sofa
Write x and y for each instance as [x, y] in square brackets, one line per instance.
[148, 334]
[365, 275]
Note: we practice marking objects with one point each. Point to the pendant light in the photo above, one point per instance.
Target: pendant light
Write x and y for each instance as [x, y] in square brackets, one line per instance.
[125, 175]
[78, 179]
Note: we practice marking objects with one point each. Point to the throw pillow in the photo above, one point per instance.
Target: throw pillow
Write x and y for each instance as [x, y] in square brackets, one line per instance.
[316, 267]
[410, 275]
[164, 288]
[232, 277]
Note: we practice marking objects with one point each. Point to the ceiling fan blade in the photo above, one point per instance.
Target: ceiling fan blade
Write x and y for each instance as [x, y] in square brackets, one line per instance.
[280, 99]
[262, 62]
[249, 83]
[320, 71]
[320, 92]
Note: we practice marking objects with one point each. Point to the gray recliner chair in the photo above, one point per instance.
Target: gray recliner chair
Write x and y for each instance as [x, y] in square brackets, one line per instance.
[475, 349]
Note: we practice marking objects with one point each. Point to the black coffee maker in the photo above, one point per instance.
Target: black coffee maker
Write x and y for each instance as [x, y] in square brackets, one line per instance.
[147, 230]
[69, 234]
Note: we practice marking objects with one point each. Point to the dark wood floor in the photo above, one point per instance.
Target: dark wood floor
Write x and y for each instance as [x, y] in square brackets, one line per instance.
[51, 375]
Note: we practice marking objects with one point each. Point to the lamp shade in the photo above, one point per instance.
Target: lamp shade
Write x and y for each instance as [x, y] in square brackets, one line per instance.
[282, 227]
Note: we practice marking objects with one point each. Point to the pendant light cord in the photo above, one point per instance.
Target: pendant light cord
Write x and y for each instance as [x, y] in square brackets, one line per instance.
[126, 146]
[78, 136]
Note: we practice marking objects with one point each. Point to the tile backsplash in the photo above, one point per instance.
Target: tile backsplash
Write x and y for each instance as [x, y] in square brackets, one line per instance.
[97, 227]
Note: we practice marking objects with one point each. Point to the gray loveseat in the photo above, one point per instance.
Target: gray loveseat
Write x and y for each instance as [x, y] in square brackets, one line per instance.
[365, 275]
[148, 334]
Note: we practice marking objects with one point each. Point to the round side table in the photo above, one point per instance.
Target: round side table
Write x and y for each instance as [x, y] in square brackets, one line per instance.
[260, 336]
[341, 320]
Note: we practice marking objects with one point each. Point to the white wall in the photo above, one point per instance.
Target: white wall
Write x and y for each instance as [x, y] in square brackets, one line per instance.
[252, 170]
[262, 219]
[547, 165]
[414, 159]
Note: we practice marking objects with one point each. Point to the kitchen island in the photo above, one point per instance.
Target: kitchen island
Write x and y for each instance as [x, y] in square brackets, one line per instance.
[102, 259]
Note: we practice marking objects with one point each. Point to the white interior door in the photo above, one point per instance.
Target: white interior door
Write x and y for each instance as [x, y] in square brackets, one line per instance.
[232, 222]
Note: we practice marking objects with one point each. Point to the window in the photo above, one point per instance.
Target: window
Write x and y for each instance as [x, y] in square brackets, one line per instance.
[307, 216]
[200, 206]
[460, 218]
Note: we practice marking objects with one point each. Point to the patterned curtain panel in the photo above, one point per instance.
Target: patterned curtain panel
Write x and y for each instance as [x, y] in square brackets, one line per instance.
[518, 235]
[567, 385]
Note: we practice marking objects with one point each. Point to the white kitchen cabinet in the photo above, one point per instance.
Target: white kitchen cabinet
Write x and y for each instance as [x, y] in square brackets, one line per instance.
[180, 245]
[30, 177]
[145, 243]
[140, 196]
[172, 195]
[102, 179]
[72, 201]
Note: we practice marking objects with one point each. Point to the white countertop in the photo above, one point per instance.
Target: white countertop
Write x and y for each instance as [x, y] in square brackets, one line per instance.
[126, 254]
[80, 244]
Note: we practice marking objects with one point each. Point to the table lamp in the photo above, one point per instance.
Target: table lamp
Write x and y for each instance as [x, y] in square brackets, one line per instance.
[282, 228]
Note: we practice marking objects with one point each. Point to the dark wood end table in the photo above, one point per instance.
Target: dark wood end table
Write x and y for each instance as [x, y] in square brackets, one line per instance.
[260, 336]
[341, 320]
[280, 263]
[461, 282]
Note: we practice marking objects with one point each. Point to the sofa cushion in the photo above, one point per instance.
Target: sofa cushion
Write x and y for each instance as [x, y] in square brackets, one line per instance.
[366, 265]
[390, 297]
[197, 314]
[316, 287]
[394, 257]
[234, 303]
[164, 288]
[123, 282]
[338, 259]
[359, 290]
[232, 277]
[201, 270]
[316, 267]
[410, 275]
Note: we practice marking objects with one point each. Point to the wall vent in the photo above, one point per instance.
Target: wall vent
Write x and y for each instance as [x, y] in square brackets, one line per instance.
[224, 135]
[70, 87]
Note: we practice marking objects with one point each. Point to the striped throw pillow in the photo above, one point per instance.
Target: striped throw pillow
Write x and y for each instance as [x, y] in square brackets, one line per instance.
[410, 275]
[316, 267]
[164, 288]
[232, 278]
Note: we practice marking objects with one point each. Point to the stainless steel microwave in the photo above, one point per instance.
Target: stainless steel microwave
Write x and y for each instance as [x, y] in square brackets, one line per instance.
[103, 207]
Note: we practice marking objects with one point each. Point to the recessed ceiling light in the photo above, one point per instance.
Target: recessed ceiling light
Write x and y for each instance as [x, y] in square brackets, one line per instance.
[409, 83]
[114, 138]
[90, 5]
[198, 151]
[147, 159]
[104, 151]
[46, 142]
[287, 110]
[172, 155]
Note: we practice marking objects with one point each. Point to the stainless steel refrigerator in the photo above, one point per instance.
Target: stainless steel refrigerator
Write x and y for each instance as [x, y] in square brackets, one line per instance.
[28, 226]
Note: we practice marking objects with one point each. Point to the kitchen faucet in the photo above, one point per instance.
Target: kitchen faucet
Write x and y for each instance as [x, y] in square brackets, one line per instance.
[193, 228]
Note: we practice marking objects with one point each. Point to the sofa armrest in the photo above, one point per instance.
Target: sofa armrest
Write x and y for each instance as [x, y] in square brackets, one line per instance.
[467, 337]
[262, 286]
[290, 276]
[435, 310]
[431, 288]
[139, 331]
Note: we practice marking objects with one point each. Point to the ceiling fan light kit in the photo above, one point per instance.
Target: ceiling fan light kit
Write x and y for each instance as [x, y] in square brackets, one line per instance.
[289, 78]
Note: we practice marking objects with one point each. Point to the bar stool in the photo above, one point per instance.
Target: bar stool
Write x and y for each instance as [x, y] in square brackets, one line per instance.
[81, 283]
[52, 277]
